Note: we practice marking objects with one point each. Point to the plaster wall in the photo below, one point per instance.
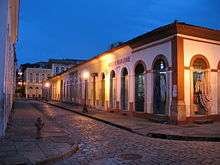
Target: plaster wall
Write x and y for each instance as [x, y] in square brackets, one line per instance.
[115, 61]
[3, 52]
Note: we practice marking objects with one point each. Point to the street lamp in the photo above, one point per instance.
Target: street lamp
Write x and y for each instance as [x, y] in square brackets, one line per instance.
[47, 86]
[85, 77]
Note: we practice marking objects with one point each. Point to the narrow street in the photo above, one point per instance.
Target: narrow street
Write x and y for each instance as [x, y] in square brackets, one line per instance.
[100, 143]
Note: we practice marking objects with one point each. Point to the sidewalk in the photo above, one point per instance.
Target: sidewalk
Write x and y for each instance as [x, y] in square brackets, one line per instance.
[19, 146]
[194, 132]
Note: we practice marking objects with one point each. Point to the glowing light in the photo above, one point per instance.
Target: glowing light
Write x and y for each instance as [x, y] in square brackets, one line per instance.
[47, 84]
[20, 73]
[85, 75]
[107, 58]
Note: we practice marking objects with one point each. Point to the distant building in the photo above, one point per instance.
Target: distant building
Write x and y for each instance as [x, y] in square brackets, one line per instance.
[20, 76]
[9, 10]
[34, 78]
[60, 65]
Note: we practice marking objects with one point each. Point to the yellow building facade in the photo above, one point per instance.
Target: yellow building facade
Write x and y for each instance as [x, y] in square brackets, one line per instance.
[171, 73]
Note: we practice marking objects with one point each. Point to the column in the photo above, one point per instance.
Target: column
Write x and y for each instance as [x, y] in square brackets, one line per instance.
[178, 112]
[150, 90]
[131, 94]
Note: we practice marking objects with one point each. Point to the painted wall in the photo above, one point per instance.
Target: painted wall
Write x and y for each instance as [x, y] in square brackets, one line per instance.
[8, 37]
[117, 60]
[56, 89]
[34, 78]
[3, 51]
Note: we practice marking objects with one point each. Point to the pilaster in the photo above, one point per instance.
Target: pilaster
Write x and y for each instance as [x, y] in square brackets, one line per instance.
[178, 109]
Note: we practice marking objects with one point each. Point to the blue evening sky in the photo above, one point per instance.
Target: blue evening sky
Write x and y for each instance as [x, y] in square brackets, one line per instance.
[84, 28]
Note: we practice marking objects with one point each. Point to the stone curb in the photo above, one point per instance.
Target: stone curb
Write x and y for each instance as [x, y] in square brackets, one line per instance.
[151, 134]
[183, 138]
[54, 159]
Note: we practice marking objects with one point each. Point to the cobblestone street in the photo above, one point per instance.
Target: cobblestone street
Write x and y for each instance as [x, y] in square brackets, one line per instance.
[100, 143]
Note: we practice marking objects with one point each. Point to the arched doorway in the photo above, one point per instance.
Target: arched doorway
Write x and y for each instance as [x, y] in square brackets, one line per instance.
[112, 90]
[200, 84]
[124, 89]
[103, 90]
[139, 87]
[160, 86]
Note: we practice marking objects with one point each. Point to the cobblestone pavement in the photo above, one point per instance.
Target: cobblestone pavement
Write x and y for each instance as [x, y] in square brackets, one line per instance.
[20, 144]
[143, 126]
[103, 144]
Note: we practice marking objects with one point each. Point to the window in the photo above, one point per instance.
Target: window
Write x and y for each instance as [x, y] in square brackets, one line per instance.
[112, 89]
[201, 86]
[37, 77]
[139, 88]
[57, 70]
[103, 90]
[42, 77]
[124, 89]
[31, 77]
[160, 86]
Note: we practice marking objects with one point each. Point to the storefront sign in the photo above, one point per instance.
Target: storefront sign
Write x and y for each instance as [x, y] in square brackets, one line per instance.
[120, 61]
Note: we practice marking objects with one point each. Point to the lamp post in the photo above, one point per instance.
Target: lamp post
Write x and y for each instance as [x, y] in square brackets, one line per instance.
[47, 86]
[85, 77]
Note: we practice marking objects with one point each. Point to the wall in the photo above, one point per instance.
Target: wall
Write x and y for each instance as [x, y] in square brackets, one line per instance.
[8, 37]
[210, 50]
[34, 88]
[55, 89]
[3, 51]
[116, 60]
[60, 66]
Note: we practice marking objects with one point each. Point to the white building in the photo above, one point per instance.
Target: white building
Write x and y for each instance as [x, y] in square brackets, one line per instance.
[9, 10]
[60, 65]
[172, 72]
[34, 78]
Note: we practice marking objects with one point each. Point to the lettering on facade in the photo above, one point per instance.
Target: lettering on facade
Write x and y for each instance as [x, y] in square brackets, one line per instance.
[120, 61]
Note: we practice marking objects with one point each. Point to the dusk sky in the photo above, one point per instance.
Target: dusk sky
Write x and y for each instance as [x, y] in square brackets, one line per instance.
[82, 29]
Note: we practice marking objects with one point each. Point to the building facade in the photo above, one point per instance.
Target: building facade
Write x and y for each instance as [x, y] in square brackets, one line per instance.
[60, 65]
[172, 73]
[34, 78]
[9, 10]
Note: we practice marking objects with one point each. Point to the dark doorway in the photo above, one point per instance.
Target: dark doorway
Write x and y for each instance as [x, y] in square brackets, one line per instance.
[139, 88]
[112, 90]
[103, 90]
[160, 87]
[124, 89]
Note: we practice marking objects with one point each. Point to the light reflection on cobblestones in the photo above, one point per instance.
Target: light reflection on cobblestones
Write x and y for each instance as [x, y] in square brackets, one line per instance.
[103, 144]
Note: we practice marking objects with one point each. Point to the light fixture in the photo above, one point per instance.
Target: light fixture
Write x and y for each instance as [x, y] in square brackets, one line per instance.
[85, 75]
[47, 85]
